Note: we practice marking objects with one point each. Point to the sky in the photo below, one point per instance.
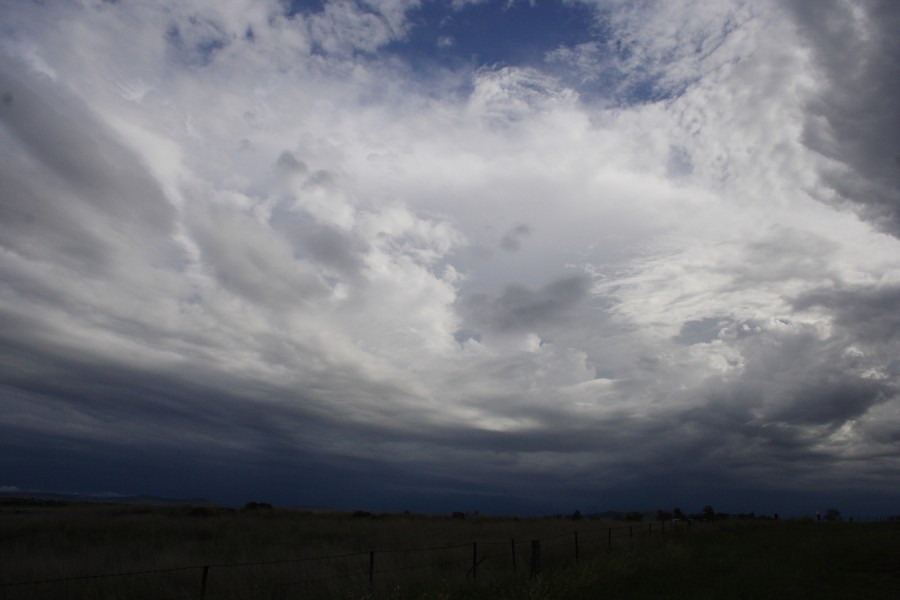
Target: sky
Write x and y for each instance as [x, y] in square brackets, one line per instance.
[515, 257]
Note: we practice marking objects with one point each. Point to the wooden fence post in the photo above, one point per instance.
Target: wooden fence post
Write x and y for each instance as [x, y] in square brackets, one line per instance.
[535, 558]
[203, 582]
[371, 567]
[512, 545]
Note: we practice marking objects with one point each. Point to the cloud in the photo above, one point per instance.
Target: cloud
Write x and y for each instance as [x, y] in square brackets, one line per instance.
[52, 130]
[866, 312]
[521, 308]
[853, 47]
[343, 27]
[658, 49]
[251, 239]
[512, 239]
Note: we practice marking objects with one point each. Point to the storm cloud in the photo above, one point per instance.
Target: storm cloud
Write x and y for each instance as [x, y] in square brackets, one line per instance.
[254, 250]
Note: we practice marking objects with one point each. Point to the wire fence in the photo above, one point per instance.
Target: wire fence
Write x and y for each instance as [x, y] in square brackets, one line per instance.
[363, 574]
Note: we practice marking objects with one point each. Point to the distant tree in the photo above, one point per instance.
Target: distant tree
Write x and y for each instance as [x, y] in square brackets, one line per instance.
[832, 514]
[708, 512]
[678, 514]
[576, 516]
[634, 516]
[662, 515]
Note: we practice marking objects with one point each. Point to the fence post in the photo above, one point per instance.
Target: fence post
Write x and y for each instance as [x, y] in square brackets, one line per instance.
[474, 560]
[203, 582]
[371, 567]
[576, 546]
[512, 544]
[535, 558]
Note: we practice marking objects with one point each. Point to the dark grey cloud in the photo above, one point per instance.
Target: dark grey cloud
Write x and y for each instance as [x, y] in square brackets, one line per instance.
[87, 401]
[854, 119]
[520, 308]
[798, 377]
[77, 203]
[88, 166]
[512, 239]
[327, 245]
[868, 313]
[289, 163]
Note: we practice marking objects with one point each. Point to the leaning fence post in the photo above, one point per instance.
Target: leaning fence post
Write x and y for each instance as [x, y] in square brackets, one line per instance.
[512, 545]
[576, 545]
[474, 560]
[371, 567]
[535, 558]
[203, 582]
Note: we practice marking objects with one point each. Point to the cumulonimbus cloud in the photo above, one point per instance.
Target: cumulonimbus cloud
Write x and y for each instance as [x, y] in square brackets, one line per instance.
[261, 233]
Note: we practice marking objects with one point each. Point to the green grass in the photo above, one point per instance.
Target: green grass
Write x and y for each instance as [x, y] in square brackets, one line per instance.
[727, 560]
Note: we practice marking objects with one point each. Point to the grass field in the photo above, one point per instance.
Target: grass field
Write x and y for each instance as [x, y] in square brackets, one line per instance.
[775, 560]
[724, 560]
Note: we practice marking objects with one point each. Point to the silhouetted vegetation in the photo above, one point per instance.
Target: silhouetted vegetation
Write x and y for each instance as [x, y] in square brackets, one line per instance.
[632, 516]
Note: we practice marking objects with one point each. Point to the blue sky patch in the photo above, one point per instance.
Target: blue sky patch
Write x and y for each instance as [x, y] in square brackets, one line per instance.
[492, 33]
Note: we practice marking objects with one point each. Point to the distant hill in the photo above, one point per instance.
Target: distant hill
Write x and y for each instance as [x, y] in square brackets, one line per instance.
[38, 497]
